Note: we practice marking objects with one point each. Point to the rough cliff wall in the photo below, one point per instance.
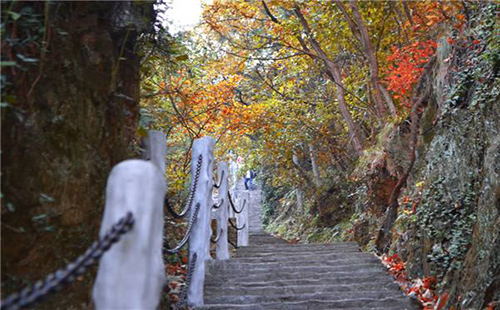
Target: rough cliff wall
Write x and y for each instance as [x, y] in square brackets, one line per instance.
[449, 222]
[72, 109]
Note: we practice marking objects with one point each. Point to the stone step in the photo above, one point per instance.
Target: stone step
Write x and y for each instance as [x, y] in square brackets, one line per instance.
[287, 248]
[298, 289]
[314, 305]
[360, 298]
[304, 258]
[242, 252]
[262, 277]
[243, 264]
[260, 241]
[276, 248]
[286, 273]
[380, 279]
[316, 245]
[253, 242]
[300, 272]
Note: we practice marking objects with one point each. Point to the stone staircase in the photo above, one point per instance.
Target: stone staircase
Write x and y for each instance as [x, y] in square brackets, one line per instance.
[272, 274]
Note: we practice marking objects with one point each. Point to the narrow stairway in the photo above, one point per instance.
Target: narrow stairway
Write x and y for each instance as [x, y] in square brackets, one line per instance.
[272, 274]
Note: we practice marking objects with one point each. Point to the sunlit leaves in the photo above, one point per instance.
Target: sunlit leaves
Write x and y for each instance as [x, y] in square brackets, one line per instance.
[406, 67]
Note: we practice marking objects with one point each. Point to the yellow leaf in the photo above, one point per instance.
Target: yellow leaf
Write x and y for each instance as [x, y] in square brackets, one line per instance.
[142, 132]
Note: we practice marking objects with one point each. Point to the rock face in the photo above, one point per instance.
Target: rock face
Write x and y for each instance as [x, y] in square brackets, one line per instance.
[451, 227]
[72, 115]
[456, 180]
[271, 274]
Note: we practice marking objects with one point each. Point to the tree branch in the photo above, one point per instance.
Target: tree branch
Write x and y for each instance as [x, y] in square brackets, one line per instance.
[268, 12]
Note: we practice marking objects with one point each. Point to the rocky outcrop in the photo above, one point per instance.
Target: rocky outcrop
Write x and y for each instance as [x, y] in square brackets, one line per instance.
[455, 233]
[73, 102]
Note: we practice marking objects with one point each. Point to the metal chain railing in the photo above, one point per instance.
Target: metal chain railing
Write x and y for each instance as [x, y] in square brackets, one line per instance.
[216, 239]
[191, 195]
[185, 239]
[232, 204]
[236, 227]
[217, 206]
[232, 243]
[220, 180]
[192, 221]
[189, 276]
[55, 281]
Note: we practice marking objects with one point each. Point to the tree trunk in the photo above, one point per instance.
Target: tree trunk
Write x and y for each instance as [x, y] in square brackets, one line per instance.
[302, 172]
[378, 89]
[314, 164]
[333, 73]
[300, 200]
[407, 12]
[354, 131]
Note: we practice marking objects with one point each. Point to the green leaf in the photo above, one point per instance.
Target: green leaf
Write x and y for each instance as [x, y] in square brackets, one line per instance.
[7, 63]
[14, 15]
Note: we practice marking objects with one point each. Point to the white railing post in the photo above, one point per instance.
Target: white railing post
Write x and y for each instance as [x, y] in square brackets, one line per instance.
[234, 186]
[199, 242]
[155, 149]
[242, 218]
[222, 248]
[131, 274]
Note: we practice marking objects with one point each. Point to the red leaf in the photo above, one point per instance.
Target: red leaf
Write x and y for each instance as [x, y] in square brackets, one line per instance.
[442, 301]
[429, 281]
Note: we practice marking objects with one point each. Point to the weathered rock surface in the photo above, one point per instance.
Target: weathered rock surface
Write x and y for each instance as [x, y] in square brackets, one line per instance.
[72, 115]
[456, 235]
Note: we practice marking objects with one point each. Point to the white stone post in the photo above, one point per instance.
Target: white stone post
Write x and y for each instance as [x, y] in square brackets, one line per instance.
[242, 218]
[234, 188]
[155, 149]
[199, 242]
[222, 248]
[231, 213]
[131, 274]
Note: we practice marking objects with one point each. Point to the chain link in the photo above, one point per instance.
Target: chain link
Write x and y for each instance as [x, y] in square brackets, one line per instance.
[234, 245]
[181, 304]
[184, 240]
[55, 281]
[191, 196]
[216, 239]
[232, 204]
[220, 180]
[234, 225]
[217, 206]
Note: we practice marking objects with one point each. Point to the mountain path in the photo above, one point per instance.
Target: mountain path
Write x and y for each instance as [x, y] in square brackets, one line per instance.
[273, 274]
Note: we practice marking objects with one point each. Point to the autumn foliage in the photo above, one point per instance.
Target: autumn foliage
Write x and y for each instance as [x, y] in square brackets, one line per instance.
[421, 289]
[406, 66]
[289, 85]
